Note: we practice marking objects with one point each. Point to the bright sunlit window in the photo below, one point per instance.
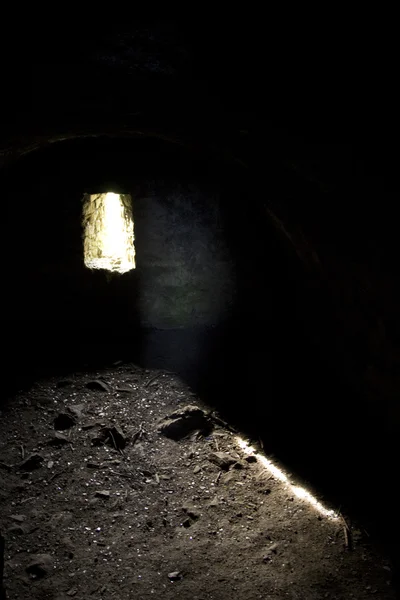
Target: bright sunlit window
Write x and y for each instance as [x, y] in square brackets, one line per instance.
[108, 232]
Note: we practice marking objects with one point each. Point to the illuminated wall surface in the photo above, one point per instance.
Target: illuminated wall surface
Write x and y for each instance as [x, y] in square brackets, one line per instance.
[108, 232]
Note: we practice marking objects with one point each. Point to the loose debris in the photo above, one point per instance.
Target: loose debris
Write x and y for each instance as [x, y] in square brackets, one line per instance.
[222, 460]
[112, 435]
[175, 576]
[103, 494]
[40, 566]
[185, 421]
[155, 481]
[16, 530]
[58, 439]
[77, 410]
[347, 535]
[191, 512]
[125, 389]
[18, 518]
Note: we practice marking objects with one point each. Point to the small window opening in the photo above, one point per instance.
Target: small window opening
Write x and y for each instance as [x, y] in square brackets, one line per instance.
[108, 232]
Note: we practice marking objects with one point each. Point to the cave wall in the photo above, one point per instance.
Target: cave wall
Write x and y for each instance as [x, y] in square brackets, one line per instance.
[185, 267]
[196, 248]
[185, 270]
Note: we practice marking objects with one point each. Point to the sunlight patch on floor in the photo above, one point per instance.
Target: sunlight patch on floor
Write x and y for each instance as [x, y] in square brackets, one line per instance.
[108, 232]
[299, 492]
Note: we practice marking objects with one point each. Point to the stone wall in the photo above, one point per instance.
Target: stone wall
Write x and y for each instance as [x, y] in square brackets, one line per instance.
[185, 267]
[185, 273]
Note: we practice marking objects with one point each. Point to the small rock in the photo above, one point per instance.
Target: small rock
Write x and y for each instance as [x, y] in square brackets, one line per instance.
[118, 438]
[267, 558]
[112, 436]
[16, 530]
[125, 389]
[77, 410]
[72, 592]
[34, 461]
[271, 550]
[50, 464]
[59, 439]
[197, 469]
[251, 458]
[97, 384]
[222, 460]
[63, 421]
[102, 494]
[175, 576]
[183, 422]
[40, 566]
[18, 518]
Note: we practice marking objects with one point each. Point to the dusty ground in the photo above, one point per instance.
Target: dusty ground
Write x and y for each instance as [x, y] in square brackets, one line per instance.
[86, 517]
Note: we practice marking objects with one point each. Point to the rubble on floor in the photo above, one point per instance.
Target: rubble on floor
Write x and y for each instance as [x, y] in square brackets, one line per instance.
[121, 483]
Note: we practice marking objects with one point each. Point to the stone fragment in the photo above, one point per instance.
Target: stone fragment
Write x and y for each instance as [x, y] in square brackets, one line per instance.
[40, 566]
[59, 439]
[16, 530]
[222, 460]
[175, 576]
[77, 410]
[102, 494]
[183, 422]
[18, 518]
[112, 436]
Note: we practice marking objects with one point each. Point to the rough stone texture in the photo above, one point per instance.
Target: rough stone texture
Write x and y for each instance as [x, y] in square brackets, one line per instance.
[183, 422]
[186, 270]
[40, 565]
[95, 226]
[185, 275]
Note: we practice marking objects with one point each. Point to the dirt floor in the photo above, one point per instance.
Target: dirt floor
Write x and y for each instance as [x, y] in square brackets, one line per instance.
[101, 497]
